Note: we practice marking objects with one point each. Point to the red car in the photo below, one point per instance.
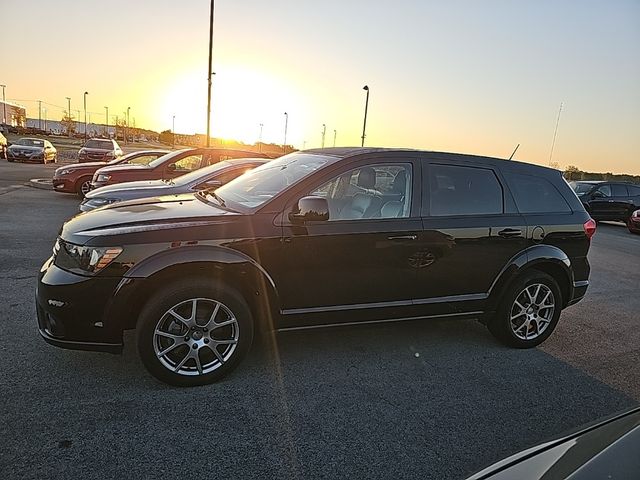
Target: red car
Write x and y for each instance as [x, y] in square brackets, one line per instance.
[633, 223]
[77, 178]
[169, 166]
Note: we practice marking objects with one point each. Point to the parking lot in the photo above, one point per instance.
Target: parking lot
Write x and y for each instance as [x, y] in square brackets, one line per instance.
[432, 399]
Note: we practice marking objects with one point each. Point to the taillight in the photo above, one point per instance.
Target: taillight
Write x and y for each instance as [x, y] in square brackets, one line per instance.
[589, 228]
[636, 214]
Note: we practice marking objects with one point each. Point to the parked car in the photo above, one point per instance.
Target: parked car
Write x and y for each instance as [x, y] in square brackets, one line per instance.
[4, 145]
[99, 150]
[633, 224]
[605, 449]
[77, 178]
[318, 238]
[32, 149]
[608, 200]
[210, 177]
[169, 166]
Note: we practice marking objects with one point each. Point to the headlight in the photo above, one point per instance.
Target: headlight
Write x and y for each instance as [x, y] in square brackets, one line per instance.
[64, 172]
[103, 177]
[84, 259]
[110, 154]
[100, 201]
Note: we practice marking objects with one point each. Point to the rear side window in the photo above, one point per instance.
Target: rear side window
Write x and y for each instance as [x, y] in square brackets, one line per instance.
[619, 191]
[536, 194]
[634, 190]
[457, 190]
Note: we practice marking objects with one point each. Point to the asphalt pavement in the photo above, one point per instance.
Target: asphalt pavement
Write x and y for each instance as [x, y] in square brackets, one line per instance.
[429, 400]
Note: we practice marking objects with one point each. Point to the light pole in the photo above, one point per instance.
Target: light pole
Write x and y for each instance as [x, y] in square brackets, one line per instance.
[173, 131]
[126, 132]
[324, 131]
[4, 106]
[260, 139]
[69, 116]
[335, 134]
[286, 122]
[304, 145]
[106, 125]
[209, 74]
[44, 110]
[40, 114]
[366, 107]
[85, 116]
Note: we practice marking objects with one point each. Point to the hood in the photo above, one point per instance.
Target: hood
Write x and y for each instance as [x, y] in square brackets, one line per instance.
[126, 186]
[147, 214]
[124, 168]
[80, 166]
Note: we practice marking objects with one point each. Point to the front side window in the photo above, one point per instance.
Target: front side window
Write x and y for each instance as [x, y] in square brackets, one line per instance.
[535, 194]
[188, 164]
[373, 191]
[455, 190]
[603, 191]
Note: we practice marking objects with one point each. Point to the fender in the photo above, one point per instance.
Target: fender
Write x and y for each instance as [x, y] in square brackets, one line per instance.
[532, 256]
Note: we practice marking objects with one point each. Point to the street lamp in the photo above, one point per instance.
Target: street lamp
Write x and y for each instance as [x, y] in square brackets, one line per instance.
[286, 122]
[4, 106]
[106, 126]
[210, 73]
[69, 116]
[126, 134]
[260, 139]
[85, 116]
[173, 131]
[335, 134]
[366, 107]
[324, 131]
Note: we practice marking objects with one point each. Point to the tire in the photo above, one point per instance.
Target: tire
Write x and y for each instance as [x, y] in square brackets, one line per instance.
[533, 323]
[83, 186]
[631, 230]
[185, 346]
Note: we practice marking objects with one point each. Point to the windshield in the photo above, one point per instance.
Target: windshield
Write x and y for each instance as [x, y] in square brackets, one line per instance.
[101, 144]
[31, 142]
[135, 157]
[580, 187]
[164, 158]
[256, 187]
[200, 173]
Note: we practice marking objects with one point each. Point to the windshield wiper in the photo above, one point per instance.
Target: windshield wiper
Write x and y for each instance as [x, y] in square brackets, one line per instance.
[217, 197]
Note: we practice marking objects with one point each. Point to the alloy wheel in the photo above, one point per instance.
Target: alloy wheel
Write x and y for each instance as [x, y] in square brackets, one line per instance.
[196, 337]
[532, 311]
[85, 188]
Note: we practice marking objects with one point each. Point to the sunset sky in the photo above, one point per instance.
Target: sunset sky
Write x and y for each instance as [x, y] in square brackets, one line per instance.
[466, 76]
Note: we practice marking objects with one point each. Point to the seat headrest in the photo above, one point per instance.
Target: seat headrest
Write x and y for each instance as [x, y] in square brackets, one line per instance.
[367, 177]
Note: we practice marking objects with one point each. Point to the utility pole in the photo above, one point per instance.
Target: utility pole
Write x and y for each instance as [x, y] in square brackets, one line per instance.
[209, 74]
[335, 134]
[286, 122]
[40, 114]
[69, 116]
[4, 106]
[366, 107]
[85, 116]
[324, 131]
[106, 124]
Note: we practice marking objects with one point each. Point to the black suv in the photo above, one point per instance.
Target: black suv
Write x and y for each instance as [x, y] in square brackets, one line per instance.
[317, 238]
[608, 200]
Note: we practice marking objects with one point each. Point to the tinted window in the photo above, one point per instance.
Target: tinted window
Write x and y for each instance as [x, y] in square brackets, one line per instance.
[619, 191]
[633, 190]
[464, 191]
[373, 191]
[536, 194]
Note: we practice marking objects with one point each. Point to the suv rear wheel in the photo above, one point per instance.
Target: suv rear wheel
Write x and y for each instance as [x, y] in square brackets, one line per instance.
[529, 311]
[194, 332]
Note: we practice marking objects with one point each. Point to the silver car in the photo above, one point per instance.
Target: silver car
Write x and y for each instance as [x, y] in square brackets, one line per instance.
[32, 149]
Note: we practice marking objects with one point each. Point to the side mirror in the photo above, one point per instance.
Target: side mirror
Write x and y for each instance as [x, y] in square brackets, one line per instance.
[171, 167]
[311, 209]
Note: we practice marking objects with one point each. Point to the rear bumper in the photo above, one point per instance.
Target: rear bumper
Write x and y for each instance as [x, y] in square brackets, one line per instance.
[579, 291]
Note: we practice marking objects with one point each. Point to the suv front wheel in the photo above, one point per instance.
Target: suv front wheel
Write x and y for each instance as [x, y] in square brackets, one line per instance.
[194, 332]
[529, 311]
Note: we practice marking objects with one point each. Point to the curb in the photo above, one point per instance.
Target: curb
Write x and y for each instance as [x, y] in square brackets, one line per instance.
[41, 183]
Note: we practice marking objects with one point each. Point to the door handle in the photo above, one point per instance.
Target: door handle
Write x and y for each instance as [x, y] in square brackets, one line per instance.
[510, 232]
[403, 237]
[611, 201]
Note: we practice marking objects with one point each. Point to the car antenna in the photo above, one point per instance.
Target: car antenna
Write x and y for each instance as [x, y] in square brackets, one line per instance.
[514, 152]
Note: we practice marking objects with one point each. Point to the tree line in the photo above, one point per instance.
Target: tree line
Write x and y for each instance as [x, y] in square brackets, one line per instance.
[574, 173]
